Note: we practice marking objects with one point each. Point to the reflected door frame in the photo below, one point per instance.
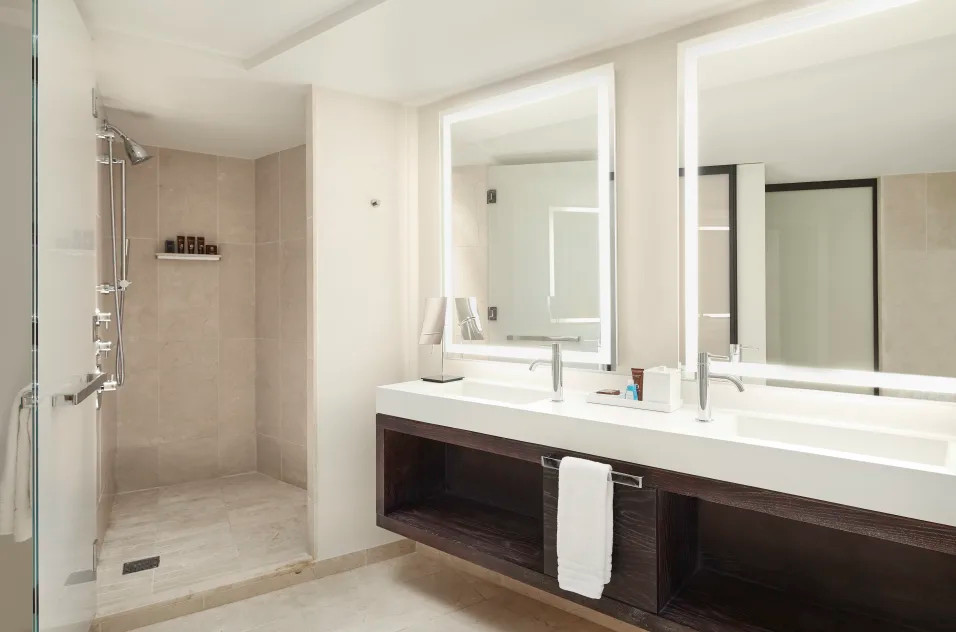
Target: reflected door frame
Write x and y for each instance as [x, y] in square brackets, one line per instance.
[731, 172]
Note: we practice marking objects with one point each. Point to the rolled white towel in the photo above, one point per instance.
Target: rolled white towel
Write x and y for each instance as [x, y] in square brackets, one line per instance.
[16, 471]
[585, 526]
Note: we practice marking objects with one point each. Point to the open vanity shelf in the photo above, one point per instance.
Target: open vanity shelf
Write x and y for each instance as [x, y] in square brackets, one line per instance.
[480, 499]
[491, 530]
[689, 553]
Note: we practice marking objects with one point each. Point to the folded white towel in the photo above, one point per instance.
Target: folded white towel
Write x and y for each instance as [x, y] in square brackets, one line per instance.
[16, 471]
[585, 526]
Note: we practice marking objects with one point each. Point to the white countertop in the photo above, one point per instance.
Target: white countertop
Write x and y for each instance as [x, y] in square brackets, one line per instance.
[920, 483]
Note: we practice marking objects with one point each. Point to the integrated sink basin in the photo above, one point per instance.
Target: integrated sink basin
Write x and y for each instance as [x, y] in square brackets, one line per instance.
[888, 445]
[492, 392]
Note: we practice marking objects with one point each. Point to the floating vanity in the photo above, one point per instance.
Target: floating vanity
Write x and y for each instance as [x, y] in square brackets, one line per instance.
[728, 531]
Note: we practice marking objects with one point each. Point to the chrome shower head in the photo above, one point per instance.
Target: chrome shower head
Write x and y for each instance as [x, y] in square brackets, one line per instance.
[137, 153]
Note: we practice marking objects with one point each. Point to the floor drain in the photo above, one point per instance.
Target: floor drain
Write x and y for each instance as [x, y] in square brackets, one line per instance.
[140, 565]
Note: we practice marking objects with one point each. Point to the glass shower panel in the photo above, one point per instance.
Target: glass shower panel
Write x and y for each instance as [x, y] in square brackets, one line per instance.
[65, 522]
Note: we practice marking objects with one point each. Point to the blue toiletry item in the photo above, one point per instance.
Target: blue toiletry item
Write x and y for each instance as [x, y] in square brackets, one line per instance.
[631, 392]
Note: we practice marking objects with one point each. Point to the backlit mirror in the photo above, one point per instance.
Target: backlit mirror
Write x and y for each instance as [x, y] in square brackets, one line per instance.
[820, 229]
[528, 219]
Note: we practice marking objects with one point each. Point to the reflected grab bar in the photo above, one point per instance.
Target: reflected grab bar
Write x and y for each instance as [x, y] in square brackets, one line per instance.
[545, 338]
[93, 383]
[628, 480]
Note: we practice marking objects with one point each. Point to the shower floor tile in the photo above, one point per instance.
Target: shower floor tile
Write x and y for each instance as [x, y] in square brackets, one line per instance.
[207, 533]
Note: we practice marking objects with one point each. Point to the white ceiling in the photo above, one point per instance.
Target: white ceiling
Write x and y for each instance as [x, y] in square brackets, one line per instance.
[417, 51]
[171, 96]
[859, 100]
[229, 76]
[235, 28]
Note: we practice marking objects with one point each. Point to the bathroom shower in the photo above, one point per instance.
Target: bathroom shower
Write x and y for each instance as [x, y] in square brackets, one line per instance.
[135, 154]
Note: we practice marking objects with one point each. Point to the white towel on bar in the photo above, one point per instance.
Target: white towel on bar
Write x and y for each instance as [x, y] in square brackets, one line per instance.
[585, 526]
[16, 471]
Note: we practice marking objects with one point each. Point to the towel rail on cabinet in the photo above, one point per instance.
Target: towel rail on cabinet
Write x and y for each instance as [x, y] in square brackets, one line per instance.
[628, 480]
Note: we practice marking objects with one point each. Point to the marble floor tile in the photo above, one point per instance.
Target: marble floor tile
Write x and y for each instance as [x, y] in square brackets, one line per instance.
[207, 533]
[413, 593]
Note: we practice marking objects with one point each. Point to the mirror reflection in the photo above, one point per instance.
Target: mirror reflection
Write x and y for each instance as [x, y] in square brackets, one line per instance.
[526, 222]
[828, 196]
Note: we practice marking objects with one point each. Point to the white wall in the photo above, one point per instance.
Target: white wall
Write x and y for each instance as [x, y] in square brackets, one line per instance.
[16, 559]
[752, 261]
[470, 237]
[361, 302]
[647, 83]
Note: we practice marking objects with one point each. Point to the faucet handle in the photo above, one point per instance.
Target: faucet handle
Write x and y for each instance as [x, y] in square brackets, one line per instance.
[737, 351]
[714, 356]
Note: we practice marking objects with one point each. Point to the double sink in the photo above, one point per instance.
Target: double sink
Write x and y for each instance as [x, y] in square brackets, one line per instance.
[778, 430]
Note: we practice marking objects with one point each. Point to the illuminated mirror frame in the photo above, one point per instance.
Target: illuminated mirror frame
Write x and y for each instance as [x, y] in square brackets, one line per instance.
[601, 78]
[691, 52]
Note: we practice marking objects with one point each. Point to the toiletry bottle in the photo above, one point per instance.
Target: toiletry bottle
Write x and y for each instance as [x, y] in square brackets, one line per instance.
[638, 376]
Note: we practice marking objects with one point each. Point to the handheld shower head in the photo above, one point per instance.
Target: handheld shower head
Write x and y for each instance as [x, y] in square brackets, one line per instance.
[134, 151]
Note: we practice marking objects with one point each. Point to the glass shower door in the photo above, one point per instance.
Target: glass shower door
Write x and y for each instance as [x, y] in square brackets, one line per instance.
[66, 206]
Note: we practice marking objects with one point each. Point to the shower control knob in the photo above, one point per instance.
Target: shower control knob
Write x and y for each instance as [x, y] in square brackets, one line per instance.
[102, 318]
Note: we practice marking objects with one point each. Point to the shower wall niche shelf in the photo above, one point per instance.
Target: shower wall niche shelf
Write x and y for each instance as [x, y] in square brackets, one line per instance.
[176, 256]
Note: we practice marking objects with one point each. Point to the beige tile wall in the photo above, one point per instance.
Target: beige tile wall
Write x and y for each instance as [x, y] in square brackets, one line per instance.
[280, 315]
[917, 266]
[187, 410]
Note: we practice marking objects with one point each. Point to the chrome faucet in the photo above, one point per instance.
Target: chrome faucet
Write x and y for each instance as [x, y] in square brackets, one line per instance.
[704, 376]
[557, 372]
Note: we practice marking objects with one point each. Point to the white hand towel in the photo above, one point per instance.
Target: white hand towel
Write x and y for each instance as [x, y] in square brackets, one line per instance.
[16, 472]
[585, 526]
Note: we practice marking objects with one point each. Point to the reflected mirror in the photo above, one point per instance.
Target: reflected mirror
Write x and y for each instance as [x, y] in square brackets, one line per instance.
[528, 219]
[826, 202]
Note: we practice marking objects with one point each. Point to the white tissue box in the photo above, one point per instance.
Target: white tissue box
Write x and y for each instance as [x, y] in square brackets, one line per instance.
[662, 386]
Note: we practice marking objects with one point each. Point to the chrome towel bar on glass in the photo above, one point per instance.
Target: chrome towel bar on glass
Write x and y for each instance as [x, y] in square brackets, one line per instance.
[512, 338]
[628, 480]
[94, 381]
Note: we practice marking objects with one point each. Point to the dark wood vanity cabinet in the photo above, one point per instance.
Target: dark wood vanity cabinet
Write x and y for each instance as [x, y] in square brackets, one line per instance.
[689, 553]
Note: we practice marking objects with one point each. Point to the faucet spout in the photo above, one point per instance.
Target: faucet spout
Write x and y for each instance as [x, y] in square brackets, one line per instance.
[704, 376]
[557, 372]
[730, 378]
